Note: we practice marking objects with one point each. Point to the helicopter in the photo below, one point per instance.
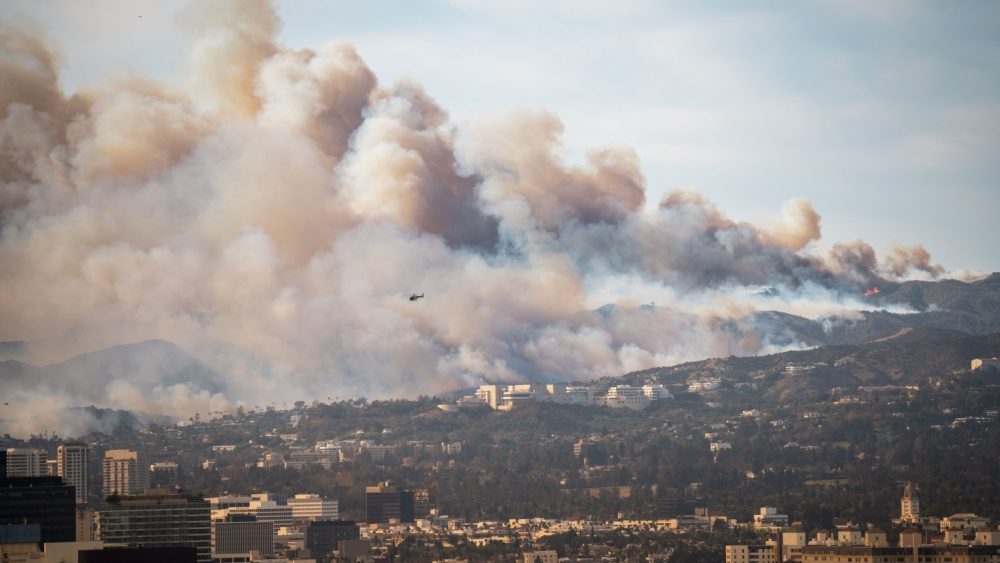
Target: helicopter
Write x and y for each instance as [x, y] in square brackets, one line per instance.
[414, 296]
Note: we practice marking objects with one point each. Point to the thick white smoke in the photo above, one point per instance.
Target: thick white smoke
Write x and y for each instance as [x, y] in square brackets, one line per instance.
[273, 215]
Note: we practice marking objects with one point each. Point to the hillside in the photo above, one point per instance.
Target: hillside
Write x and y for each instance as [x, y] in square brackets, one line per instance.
[908, 357]
[89, 379]
[980, 297]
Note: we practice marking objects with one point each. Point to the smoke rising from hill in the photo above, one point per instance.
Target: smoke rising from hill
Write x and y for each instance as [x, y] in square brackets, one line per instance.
[273, 214]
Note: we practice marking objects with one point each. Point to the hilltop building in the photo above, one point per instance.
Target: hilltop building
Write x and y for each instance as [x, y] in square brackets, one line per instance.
[506, 397]
[769, 519]
[981, 364]
[163, 470]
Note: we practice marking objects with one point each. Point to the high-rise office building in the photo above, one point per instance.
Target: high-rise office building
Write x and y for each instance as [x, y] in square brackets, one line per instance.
[322, 537]
[39, 500]
[72, 467]
[158, 521]
[239, 534]
[387, 503]
[310, 507]
[86, 524]
[125, 473]
[26, 462]
[173, 554]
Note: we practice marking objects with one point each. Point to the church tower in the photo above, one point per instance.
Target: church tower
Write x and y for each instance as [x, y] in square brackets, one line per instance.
[910, 504]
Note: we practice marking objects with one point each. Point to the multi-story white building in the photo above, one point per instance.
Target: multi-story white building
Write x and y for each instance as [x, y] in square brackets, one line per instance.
[549, 556]
[71, 460]
[871, 547]
[26, 462]
[769, 519]
[506, 397]
[625, 396]
[655, 392]
[312, 507]
[265, 509]
[222, 503]
[125, 473]
[964, 521]
[377, 452]
[518, 393]
[716, 447]
[707, 384]
[164, 468]
[579, 395]
[767, 553]
[792, 542]
[490, 394]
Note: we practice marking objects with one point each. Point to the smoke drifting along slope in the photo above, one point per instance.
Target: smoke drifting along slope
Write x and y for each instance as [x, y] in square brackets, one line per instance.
[272, 216]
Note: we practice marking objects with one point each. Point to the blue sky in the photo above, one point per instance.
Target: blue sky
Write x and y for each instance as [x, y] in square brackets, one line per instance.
[886, 115]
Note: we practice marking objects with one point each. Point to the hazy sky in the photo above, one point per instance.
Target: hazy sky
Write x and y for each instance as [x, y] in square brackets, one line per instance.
[886, 115]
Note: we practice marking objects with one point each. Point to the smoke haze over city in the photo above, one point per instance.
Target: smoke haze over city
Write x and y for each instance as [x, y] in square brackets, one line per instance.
[271, 213]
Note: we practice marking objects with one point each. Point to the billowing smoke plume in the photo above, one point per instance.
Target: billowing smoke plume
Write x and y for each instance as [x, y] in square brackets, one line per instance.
[272, 216]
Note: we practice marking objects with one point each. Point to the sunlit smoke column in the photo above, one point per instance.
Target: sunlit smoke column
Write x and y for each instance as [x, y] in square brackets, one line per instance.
[72, 467]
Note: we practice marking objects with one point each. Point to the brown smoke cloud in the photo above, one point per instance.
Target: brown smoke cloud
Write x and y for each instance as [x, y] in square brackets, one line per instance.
[858, 260]
[799, 225]
[901, 260]
[232, 39]
[525, 182]
[272, 215]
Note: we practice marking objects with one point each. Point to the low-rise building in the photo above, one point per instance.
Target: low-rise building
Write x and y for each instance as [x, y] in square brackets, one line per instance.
[548, 556]
[918, 554]
[769, 519]
[758, 553]
[979, 364]
[964, 521]
[311, 507]
[324, 537]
